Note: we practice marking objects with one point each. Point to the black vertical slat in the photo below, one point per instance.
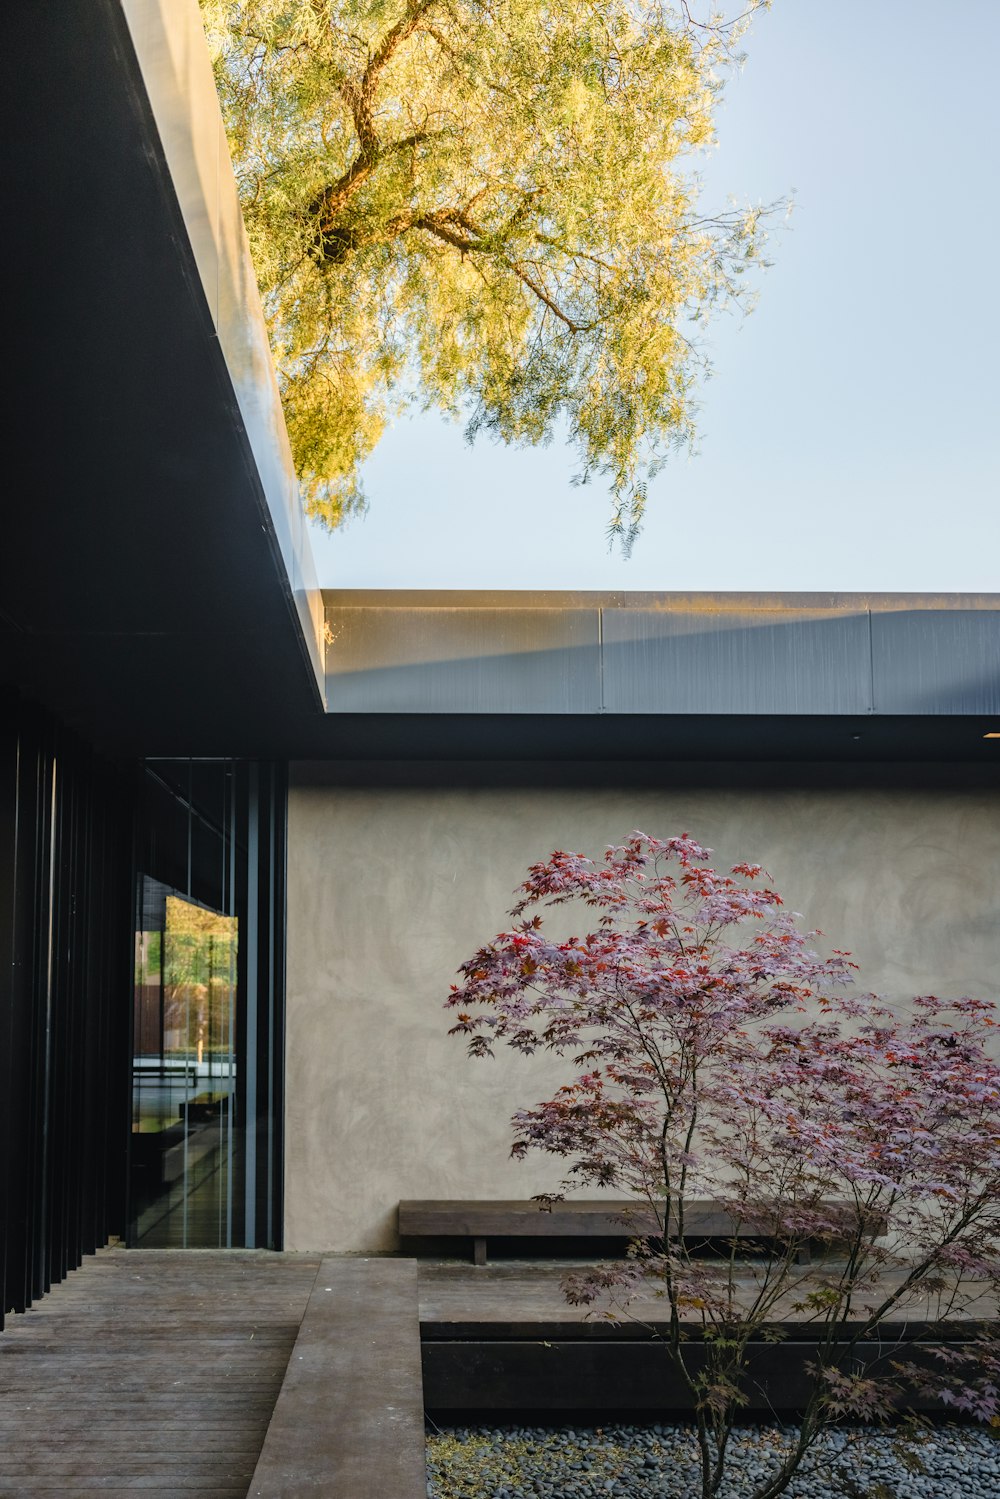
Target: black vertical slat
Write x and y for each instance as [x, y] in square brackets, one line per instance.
[34, 844]
[60, 1256]
[18, 1078]
[112, 1034]
[89, 1204]
[278, 963]
[8, 817]
[250, 1014]
[267, 931]
[271, 926]
[25, 1082]
[246, 934]
[77, 1131]
[65, 992]
[268, 1219]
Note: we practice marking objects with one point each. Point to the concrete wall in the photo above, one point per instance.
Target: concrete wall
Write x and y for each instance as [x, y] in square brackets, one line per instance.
[389, 890]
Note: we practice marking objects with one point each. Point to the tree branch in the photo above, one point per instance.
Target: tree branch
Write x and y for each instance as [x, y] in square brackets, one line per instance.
[522, 275]
[336, 241]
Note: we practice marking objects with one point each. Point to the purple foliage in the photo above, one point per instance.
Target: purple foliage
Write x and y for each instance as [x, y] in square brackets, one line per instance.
[720, 1056]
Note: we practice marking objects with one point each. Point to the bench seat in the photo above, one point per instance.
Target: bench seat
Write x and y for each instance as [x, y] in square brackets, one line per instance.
[604, 1218]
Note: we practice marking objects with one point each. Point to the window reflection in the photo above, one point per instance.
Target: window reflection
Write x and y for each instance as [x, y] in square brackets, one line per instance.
[205, 1163]
[183, 1071]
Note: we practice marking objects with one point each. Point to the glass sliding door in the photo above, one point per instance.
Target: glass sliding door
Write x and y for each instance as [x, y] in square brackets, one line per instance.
[183, 1071]
[205, 1167]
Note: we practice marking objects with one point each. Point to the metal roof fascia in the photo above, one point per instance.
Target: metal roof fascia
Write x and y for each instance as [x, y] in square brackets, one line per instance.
[398, 651]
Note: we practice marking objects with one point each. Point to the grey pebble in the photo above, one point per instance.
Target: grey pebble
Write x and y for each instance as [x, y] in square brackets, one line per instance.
[659, 1461]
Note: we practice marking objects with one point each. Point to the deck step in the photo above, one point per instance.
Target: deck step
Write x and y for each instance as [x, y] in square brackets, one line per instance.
[349, 1419]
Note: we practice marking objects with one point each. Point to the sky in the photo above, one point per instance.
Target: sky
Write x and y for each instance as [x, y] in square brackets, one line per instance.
[850, 434]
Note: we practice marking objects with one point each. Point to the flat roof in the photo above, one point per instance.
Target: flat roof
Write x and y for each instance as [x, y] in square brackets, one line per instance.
[155, 580]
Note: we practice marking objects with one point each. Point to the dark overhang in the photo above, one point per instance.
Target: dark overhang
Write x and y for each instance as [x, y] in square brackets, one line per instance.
[155, 582]
[155, 587]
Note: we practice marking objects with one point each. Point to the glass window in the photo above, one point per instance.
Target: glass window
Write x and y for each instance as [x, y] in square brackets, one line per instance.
[208, 1007]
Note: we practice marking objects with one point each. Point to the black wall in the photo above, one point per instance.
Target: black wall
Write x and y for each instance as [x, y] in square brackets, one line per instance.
[66, 827]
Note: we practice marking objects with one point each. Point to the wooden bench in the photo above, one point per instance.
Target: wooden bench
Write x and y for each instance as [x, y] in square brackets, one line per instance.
[614, 1218]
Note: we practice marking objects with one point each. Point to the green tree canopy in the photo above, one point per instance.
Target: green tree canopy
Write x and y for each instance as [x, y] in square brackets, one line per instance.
[484, 206]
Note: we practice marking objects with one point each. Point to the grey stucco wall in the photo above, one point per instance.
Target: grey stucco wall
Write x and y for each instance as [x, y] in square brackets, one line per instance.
[389, 890]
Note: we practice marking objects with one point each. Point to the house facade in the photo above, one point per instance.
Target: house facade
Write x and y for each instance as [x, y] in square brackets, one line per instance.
[249, 828]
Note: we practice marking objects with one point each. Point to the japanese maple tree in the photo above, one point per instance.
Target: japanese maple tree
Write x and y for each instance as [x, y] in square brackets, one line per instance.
[720, 1056]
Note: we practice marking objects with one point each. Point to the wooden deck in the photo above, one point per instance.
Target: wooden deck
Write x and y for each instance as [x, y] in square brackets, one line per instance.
[149, 1374]
[152, 1374]
[461, 1300]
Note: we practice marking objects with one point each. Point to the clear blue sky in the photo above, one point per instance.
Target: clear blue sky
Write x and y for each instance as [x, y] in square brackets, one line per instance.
[850, 437]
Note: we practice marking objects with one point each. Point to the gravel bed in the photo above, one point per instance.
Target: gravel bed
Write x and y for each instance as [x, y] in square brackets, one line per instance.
[659, 1462]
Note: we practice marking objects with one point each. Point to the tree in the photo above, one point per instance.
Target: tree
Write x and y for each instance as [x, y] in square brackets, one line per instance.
[723, 1058]
[482, 206]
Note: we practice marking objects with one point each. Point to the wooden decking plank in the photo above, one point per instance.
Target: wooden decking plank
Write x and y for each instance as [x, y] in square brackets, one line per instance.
[348, 1423]
[149, 1373]
[456, 1299]
[131, 1466]
[217, 1490]
[58, 1485]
